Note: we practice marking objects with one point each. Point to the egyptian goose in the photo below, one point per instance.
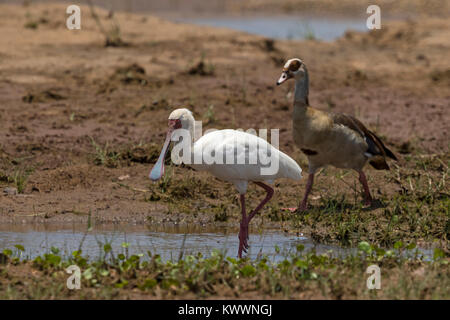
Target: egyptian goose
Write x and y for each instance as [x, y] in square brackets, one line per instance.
[335, 139]
[230, 155]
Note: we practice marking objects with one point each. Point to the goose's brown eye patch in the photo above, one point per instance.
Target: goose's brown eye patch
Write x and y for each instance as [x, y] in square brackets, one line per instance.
[295, 65]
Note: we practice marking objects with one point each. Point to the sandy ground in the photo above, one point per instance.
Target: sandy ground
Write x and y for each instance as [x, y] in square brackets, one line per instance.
[346, 8]
[81, 123]
[402, 8]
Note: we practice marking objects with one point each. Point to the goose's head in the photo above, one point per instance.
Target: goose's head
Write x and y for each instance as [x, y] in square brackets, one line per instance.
[293, 68]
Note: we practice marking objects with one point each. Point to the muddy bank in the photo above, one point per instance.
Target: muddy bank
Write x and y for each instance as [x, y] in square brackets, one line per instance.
[355, 8]
[82, 123]
[402, 8]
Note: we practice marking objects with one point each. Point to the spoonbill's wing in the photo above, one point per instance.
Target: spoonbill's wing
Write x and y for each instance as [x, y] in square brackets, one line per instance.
[250, 154]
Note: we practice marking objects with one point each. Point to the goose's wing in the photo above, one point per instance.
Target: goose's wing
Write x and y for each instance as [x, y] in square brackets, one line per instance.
[376, 147]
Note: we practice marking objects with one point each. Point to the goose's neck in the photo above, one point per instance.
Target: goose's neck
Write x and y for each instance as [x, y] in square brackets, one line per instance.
[301, 91]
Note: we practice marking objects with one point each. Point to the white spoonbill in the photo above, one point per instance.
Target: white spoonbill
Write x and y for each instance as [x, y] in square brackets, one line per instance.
[241, 146]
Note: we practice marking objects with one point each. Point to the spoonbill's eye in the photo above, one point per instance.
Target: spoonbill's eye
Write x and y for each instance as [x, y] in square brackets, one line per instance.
[175, 123]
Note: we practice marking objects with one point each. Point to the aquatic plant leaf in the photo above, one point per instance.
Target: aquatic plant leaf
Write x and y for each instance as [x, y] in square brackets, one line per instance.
[87, 274]
[248, 271]
[149, 283]
[107, 248]
[104, 273]
[438, 254]
[76, 253]
[301, 264]
[19, 247]
[398, 245]
[365, 247]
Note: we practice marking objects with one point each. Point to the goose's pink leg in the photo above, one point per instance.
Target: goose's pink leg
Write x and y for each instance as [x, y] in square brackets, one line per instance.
[367, 196]
[243, 233]
[309, 184]
[304, 204]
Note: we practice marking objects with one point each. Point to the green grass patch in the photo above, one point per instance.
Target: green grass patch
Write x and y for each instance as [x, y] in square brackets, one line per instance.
[300, 275]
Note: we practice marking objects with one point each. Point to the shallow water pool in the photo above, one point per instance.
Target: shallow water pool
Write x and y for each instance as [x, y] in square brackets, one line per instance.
[167, 241]
[284, 27]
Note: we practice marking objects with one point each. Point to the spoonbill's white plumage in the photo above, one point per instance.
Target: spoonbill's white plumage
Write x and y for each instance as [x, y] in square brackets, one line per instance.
[244, 146]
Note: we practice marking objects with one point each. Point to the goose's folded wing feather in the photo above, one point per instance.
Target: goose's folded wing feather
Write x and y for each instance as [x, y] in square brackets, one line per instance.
[375, 146]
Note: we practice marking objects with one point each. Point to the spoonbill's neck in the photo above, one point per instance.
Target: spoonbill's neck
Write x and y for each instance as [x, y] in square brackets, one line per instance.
[301, 91]
[189, 125]
[192, 129]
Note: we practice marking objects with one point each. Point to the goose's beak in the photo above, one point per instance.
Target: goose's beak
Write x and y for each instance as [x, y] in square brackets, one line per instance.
[158, 169]
[283, 78]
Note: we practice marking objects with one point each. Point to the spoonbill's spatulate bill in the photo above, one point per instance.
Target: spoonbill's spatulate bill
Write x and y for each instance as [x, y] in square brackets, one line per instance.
[241, 145]
[158, 169]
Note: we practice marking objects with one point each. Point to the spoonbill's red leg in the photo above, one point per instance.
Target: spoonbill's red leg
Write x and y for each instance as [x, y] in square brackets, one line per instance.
[243, 233]
[269, 195]
[244, 229]
[367, 196]
[304, 204]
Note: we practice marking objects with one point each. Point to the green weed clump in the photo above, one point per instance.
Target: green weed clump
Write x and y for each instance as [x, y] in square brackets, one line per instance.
[18, 179]
[112, 35]
[125, 155]
[405, 274]
[104, 156]
[417, 209]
